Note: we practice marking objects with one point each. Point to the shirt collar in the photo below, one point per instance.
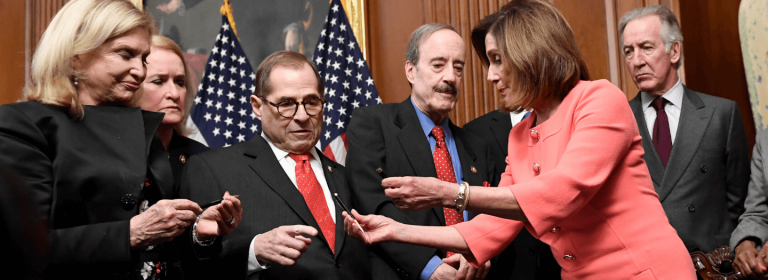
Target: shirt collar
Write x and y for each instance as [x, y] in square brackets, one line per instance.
[674, 96]
[426, 123]
[280, 154]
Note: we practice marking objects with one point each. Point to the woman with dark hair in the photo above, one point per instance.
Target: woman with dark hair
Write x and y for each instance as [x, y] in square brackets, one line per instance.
[575, 175]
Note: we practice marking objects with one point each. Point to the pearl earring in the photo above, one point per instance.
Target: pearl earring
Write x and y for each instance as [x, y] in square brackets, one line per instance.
[74, 81]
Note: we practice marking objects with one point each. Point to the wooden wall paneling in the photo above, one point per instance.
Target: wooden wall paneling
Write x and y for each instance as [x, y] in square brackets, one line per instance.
[587, 20]
[12, 50]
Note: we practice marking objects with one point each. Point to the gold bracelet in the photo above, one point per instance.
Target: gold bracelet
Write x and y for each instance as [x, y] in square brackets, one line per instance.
[461, 198]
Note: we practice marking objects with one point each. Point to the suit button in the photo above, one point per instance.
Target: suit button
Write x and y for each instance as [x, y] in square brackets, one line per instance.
[182, 159]
[531, 251]
[534, 135]
[556, 229]
[703, 169]
[691, 208]
[568, 257]
[536, 168]
[127, 200]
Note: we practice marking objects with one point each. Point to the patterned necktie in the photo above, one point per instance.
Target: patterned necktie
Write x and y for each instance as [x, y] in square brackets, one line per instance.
[444, 168]
[313, 195]
[662, 140]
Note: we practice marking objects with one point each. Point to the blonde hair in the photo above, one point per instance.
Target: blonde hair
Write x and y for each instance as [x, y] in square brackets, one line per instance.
[165, 43]
[79, 27]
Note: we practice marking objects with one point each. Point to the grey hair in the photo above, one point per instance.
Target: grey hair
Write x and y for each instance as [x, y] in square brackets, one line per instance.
[419, 35]
[670, 27]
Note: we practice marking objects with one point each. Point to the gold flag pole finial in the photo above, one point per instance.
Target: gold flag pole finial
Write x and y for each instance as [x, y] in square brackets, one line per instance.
[226, 10]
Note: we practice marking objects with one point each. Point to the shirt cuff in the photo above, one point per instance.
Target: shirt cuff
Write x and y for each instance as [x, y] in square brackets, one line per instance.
[430, 268]
[253, 263]
[466, 215]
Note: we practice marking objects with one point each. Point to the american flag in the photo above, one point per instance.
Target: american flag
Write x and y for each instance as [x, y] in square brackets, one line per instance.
[222, 108]
[348, 82]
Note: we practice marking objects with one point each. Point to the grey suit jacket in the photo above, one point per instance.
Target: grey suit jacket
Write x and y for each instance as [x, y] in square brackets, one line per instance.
[754, 222]
[704, 185]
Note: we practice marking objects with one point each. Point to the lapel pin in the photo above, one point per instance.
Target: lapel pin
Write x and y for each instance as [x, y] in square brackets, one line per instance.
[379, 170]
[474, 170]
[182, 159]
[330, 169]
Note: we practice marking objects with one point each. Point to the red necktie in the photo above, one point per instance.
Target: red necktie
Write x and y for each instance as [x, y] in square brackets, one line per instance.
[444, 168]
[313, 195]
[662, 140]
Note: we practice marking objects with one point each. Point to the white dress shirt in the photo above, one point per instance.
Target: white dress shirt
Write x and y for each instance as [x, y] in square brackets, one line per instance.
[675, 103]
[517, 117]
[289, 166]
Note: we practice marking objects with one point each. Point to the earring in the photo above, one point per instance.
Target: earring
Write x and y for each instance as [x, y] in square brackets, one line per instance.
[74, 81]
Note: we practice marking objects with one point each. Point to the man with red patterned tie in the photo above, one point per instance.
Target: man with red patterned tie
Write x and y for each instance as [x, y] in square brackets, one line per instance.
[292, 229]
[416, 138]
[695, 145]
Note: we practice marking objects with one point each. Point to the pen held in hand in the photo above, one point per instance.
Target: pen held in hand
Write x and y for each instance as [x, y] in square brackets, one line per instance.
[215, 202]
[344, 207]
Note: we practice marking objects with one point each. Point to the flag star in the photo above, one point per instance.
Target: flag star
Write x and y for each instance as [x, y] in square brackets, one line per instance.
[356, 104]
[350, 59]
[240, 138]
[227, 134]
[217, 118]
[367, 94]
[346, 84]
[348, 72]
[198, 100]
[215, 50]
[221, 78]
[335, 8]
[228, 121]
[209, 90]
[330, 50]
[322, 33]
[378, 100]
[243, 100]
[360, 63]
[336, 65]
[220, 92]
[225, 26]
[216, 132]
[213, 63]
[242, 86]
[242, 73]
[343, 27]
[207, 116]
[341, 40]
[241, 59]
[241, 125]
[253, 76]
[321, 46]
[233, 58]
[318, 60]
[252, 88]
[344, 98]
[328, 120]
[218, 36]
[200, 87]
[223, 53]
[332, 36]
[254, 128]
[233, 70]
[358, 91]
[327, 134]
[328, 106]
[222, 65]
[334, 79]
[218, 105]
[359, 76]
[332, 93]
[231, 82]
[225, 39]
[342, 111]
[333, 23]
[340, 124]
[369, 81]
[230, 108]
[231, 95]
[211, 77]
[339, 52]
[351, 45]
[232, 44]
[327, 76]
[226, 145]
[253, 115]
[242, 112]
[209, 103]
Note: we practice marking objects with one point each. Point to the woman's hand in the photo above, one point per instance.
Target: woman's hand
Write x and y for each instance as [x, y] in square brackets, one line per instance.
[162, 222]
[465, 270]
[377, 228]
[747, 261]
[419, 193]
[220, 219]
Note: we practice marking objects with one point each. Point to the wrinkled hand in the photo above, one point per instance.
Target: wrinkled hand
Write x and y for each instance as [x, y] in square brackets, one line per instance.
[216, 220]
[162, 222]
[747, 262]
[443, 272]
[283, 245]
[377, 228]
[466, 270]
[419, 193]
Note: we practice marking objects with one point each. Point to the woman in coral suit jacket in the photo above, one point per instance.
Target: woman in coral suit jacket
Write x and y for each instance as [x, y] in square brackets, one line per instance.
[575, 175]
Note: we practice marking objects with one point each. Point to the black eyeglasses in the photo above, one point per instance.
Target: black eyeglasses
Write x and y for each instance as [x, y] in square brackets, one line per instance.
[288, 108]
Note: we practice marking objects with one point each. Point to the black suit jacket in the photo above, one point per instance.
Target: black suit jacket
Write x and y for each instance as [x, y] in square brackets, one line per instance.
[179, 150]
[388, 141]
[85, 178]
[526, 257]
[704, 185]
[269, 200]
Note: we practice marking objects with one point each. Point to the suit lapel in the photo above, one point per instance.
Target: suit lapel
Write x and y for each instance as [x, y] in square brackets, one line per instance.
[467, 157]
[694, 119]
[415, 145]
[157, 157]
[652, 159]
[336, 183]
[271, 172]
[500, 128]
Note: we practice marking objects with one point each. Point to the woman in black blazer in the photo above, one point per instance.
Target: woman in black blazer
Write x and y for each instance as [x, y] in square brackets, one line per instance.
[95, 170]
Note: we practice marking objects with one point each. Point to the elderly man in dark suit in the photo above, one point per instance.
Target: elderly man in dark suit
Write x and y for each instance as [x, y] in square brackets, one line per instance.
[292, 228]
[416, 138]
[695, 144]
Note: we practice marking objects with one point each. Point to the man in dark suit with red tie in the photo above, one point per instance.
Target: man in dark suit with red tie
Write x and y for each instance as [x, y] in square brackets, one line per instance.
[416, 138]
[291, 228]
[695, 145]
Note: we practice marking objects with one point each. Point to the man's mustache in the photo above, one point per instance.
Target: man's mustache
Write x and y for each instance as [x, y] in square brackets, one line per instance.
[446, 88]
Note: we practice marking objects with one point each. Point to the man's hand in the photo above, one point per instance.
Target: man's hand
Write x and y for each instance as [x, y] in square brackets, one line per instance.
[283, 245]
[218, 220]
[377, 228]
[443, 272]
[466, 270]
[162, 222]
[419, 193]
[747, 261]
